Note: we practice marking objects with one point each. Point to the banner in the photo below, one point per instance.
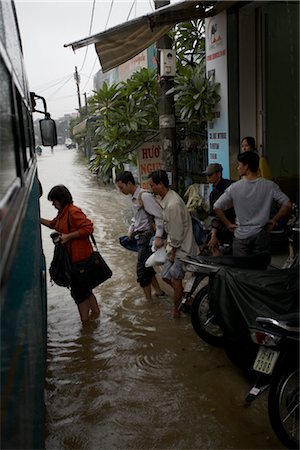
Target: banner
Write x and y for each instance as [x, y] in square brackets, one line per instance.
[216, 66]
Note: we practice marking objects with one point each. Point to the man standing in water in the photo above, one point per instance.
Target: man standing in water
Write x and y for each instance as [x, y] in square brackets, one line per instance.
[147, 223]
[179, 229]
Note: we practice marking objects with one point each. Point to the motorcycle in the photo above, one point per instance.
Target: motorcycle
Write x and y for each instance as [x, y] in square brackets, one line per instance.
[203, 316]
[277, 366]
[202, 271]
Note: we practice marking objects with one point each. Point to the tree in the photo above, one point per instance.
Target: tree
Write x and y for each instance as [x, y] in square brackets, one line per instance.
[127, 112]
[127, 117]
[196, 95]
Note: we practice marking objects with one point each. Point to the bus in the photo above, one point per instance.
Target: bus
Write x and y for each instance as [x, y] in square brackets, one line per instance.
[23, 300]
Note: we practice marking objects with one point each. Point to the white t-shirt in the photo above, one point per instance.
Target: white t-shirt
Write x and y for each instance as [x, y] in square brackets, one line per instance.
[252, 201]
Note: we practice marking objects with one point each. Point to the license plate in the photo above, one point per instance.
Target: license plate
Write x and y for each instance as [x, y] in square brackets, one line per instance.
[265, 360]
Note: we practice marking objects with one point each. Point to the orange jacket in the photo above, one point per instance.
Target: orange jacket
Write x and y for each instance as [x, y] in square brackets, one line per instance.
[70, 219]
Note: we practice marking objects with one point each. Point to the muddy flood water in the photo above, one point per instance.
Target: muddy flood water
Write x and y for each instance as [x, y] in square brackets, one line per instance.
[135, 378]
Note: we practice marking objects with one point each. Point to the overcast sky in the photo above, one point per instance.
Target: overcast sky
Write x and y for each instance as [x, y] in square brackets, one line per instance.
[47, 25]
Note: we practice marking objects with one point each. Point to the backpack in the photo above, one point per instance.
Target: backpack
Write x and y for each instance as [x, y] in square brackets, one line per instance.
[61, 266]
[198, 231]
[150, 218]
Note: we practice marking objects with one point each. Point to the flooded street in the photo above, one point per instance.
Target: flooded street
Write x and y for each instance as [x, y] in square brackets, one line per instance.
[135, 378]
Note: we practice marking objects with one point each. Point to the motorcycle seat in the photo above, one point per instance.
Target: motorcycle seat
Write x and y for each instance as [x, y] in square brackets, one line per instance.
[259, 261]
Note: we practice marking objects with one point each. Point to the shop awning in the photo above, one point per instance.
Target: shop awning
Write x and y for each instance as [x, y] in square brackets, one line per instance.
[122, 42]
[80, 128]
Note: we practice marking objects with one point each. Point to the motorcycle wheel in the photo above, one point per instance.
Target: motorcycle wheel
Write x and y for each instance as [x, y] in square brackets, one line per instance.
[202, 320]
[283, 407]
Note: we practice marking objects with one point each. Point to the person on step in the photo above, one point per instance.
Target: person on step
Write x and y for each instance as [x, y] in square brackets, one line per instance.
[147, 223]
[220, 236]
[252, 198]
[74, 229]
[248, 145]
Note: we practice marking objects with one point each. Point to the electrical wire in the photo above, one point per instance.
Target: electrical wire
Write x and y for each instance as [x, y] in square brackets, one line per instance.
[89, 77]
[107, 20]
[57, 90]
[134, 1]
[109, 13]
[52, 84]
[90, 30]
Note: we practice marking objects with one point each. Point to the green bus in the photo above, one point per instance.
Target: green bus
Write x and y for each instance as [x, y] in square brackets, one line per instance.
[23, 299]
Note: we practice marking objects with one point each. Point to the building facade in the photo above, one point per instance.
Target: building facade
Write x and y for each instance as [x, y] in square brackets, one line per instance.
[252, 49]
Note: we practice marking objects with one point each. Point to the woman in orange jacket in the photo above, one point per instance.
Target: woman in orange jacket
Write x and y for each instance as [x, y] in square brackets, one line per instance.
[74, 229]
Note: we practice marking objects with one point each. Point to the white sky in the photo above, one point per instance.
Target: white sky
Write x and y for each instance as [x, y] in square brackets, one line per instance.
[46, 26]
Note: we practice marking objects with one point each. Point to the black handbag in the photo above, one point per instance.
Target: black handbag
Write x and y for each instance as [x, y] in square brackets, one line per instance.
[60, 268]
[92, 271]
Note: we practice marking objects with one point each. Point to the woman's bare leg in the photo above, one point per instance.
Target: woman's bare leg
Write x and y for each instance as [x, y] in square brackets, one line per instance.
[84, 310]
[94, 306]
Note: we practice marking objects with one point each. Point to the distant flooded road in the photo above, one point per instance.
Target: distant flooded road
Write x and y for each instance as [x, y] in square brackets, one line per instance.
[135, 378]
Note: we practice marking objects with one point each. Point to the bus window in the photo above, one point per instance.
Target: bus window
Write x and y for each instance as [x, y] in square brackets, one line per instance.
[7, 154]
[26, 142]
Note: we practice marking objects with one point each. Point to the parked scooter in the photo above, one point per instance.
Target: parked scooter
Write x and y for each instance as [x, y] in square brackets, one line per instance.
[203, 268]
[277, 365]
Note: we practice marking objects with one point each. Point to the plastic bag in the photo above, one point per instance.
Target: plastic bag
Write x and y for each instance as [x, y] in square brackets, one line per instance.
[157, 258]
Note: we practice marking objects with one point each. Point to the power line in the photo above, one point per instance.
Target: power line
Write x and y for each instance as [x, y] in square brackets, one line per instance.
[107, 20]
[90, 73]
[134, 1]
[109, 13]
[57, 90]
[150, 3]
[51, 84]
[90, 30]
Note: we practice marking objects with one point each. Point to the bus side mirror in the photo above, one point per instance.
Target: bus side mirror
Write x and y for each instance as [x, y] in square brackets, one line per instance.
[48, 132]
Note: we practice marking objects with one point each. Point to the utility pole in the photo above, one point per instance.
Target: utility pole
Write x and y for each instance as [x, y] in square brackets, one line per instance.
[77, 81]
[85, 103]
[166, 110]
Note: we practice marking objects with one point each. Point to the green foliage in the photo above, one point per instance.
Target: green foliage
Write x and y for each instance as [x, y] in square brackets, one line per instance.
[195, 96]
[127, 116]
[127, 112]
[189, 42]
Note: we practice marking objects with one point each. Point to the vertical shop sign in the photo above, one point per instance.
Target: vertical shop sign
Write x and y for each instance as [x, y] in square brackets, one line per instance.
[149, 155]
[216, 67]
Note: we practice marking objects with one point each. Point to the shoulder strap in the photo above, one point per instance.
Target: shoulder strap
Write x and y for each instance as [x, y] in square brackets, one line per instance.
[150, 217]
[69, 229]
[94, 242]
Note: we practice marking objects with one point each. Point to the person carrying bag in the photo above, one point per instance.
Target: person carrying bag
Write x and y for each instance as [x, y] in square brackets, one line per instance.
[94, 270]
[74, 230]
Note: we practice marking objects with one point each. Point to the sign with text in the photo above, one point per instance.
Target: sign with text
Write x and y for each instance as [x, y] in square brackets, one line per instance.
[149, 155]
[216, 67]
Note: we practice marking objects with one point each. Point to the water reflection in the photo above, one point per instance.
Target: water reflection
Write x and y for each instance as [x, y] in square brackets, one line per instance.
[134, 378]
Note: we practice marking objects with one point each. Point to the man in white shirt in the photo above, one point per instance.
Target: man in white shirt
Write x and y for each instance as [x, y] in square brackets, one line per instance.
[180, 238]
[147, 222]
[252, 199]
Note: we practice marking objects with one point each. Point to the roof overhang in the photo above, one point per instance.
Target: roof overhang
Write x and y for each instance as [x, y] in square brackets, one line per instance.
[122, 42]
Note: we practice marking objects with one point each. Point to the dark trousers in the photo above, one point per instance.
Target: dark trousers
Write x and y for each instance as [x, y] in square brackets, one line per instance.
[144, 274]
[258, 243]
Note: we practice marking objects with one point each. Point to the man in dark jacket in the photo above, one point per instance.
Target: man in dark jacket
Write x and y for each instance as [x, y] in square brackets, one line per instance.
[220, 235]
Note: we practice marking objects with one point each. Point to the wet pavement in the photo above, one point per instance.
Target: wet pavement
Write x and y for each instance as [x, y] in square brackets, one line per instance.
[135, 378]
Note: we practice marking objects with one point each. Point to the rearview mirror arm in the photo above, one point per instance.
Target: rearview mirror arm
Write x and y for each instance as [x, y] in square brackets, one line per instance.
[33, 96]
